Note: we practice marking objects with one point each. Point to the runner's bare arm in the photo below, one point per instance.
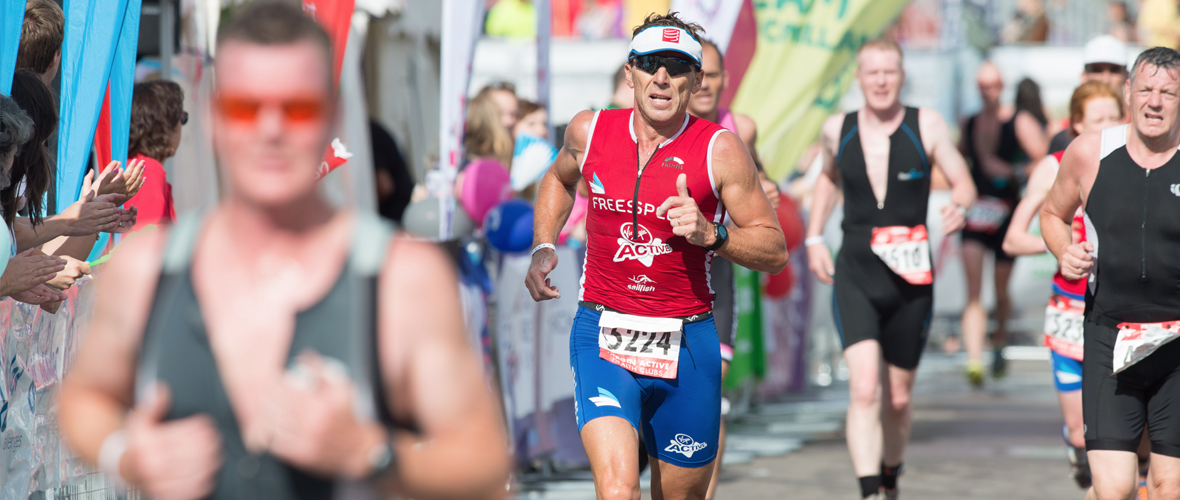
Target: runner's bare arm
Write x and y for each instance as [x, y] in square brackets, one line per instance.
[1070, 189]
[555, 197]
[97, 391]
[936, 139]
[175, 459]
[1031, 135]
[756, 241]
[824, 197]
[436, 381]
[555, 200]
[1018, 241]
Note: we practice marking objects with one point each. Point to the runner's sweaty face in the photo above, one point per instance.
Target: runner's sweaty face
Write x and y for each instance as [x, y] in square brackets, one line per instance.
[713, 80]
[271, 156]
[662, 98]
[880, 76]
[1152, 96]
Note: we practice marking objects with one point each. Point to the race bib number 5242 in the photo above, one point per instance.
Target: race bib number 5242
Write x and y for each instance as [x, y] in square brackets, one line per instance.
[905, 250]
[644, 346]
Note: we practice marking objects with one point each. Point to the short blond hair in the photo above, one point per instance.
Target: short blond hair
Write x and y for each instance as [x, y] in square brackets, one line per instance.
[883, 44]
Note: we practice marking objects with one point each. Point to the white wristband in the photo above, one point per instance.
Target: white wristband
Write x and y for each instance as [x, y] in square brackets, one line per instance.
[814, 240]
[542, 245]
[111, 453]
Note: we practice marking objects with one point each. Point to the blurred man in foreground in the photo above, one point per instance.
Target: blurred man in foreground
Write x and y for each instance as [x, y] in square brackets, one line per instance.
[276, 347]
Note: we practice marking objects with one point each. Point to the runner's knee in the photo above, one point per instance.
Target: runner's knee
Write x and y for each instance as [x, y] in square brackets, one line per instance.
[1114, 490]
[1167, 488]
[864, 393]
[620, 489]
[899, 401]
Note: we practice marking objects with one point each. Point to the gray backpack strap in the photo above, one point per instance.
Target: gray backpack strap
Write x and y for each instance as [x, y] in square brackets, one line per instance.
[178, 252]
[182, 238]
[370, 244]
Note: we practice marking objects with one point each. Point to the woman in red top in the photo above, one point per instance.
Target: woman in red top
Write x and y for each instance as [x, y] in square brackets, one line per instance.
[157, 115]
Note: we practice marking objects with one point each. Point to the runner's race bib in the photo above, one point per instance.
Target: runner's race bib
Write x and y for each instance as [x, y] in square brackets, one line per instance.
[1063, 326]
[906, 251]
[1137, 340]
[643, 346]
[987, 214]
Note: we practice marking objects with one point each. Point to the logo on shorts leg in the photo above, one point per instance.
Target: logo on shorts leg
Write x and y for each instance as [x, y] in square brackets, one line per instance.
[685, 445]
[605, 398]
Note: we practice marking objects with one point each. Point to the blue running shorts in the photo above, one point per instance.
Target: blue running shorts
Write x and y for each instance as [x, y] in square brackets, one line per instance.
[1067, 373]
[679, 417]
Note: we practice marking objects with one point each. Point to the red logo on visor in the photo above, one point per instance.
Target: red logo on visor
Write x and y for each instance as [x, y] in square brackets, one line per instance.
[672, 35]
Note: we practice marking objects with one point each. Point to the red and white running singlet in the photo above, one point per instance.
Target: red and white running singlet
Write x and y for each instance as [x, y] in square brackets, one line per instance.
[1072, 287]
[634, 262]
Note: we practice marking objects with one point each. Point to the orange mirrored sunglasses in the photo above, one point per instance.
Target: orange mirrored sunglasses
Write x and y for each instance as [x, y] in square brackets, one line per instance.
[246, 109]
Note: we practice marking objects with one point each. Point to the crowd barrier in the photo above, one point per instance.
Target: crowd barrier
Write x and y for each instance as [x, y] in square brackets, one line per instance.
[35, 348]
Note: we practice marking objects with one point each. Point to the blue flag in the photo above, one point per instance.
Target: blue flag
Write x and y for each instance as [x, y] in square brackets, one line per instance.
[12, 15]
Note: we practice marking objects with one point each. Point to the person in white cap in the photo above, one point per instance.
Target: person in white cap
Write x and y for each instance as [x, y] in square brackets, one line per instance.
[1104, 60]
[644, 350]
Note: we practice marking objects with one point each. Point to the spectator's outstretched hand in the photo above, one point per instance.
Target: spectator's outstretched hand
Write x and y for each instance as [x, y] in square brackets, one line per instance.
[127, 219]
[73, 271]
[27, 270]
[117, 180]
[42, 295]
[93, 213]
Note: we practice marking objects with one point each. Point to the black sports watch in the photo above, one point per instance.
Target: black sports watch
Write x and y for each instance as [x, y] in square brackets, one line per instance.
[721, 235]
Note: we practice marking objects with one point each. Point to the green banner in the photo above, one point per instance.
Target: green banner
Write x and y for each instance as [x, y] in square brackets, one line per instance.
[749, 355]
[802, 66]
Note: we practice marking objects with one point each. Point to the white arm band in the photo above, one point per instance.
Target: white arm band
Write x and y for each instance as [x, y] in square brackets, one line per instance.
[111, 453]
[542, 245]
[814, 240]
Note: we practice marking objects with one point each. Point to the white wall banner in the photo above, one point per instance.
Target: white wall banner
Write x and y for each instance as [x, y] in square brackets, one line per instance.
[460, 30]
[718, 17]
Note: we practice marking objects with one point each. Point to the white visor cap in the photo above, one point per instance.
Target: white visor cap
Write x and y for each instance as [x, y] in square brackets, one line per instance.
[666, 39]
[1105, 49]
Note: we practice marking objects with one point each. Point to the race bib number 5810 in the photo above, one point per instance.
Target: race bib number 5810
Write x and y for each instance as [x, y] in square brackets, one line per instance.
[644, 346]
[906, 251]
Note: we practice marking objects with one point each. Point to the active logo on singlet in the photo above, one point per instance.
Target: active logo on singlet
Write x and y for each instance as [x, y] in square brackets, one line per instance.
[641, 246]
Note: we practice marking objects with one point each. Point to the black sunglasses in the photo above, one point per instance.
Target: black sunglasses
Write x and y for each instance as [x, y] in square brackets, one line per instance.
[651, 63]
[184, 118]
[1097, 68]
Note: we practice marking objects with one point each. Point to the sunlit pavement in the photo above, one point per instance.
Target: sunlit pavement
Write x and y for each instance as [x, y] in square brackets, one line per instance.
[999, 442]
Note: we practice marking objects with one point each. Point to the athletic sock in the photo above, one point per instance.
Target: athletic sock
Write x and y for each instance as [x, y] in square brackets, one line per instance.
[889, 476]
[869, 485]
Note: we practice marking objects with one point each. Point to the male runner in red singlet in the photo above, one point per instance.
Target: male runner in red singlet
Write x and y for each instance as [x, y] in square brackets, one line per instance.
[706, 103]
[644, 350]
[882, 157]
